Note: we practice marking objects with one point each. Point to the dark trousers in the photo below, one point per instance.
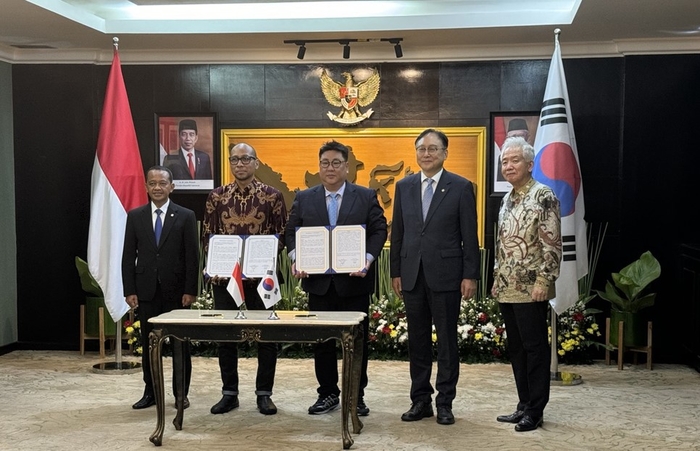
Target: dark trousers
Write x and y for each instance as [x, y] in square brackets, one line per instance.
[228, 352]
[147, 310]
[425, 307]
[529, 351]
[325, 356]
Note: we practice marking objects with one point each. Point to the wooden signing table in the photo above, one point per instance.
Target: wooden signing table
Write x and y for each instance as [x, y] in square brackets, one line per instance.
[291, 327]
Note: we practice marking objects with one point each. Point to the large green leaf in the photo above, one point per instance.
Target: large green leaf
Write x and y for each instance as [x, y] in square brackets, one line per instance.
[625, 291]
[87, 282]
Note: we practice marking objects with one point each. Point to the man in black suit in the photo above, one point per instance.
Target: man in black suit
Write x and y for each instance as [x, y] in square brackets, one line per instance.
[434, 263]
[189, 163]
[351, 205]
[159, 269]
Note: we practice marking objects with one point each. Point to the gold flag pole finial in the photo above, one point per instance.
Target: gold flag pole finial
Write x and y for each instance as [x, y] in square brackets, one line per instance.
[115, 42]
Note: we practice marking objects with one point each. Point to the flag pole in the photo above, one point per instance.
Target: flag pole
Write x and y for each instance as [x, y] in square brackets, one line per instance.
[557, 377]
[118, 364]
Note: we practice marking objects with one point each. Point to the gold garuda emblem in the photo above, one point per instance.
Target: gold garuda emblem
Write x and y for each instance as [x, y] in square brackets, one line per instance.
[350, 96]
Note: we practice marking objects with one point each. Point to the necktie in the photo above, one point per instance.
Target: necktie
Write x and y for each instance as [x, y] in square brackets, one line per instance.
[190, 164]
[333, 208]
[427, 197]
[159, 225]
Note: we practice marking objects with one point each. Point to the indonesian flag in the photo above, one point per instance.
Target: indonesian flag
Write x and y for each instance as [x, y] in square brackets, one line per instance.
[557, 165]
[118, 185]
[235, 285]
[269, 289]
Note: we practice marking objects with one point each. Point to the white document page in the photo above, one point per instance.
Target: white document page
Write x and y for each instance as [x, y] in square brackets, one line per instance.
[259, 255]
[223, 254]
[348, 245]
[312, 250]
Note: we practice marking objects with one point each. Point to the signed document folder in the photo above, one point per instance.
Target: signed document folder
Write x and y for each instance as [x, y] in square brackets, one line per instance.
[255, 253]
[329, 250]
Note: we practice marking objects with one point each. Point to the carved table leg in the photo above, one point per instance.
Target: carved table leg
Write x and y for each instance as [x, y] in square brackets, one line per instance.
[154, 353]
[180, 348]
[347, 394]
[358, 347]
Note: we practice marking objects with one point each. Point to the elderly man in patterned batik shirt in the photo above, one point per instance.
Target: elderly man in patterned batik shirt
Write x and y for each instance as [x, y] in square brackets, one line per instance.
[528, 256]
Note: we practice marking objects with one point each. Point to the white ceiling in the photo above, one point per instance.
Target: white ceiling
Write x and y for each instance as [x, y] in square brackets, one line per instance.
[219, 31]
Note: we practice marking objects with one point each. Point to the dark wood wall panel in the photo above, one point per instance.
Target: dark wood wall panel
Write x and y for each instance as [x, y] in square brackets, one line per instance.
[630, 115]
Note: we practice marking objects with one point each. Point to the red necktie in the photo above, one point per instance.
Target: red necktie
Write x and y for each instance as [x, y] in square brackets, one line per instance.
[190, 164]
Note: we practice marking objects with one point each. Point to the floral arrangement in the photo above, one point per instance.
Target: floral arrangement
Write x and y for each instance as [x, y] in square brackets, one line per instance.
[133, 332]
[577, 333]
[481, 333]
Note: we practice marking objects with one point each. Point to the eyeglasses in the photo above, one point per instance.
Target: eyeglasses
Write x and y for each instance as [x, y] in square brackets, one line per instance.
[430, 150]
[335, 163]
[244, 160]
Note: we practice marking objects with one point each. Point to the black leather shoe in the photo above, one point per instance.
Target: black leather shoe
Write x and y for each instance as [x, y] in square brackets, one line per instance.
[444, 415]
[514, 417]
[266, 406]
[185, 403]
[147, 400]
[227, 403]
[418, 411]
[362, 409]
[528, 423]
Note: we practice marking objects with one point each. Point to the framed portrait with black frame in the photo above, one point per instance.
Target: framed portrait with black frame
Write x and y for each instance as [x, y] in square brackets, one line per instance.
[505, 125]
[187, 144]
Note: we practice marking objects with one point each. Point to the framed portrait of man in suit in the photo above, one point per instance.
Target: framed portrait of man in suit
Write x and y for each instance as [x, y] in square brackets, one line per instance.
[506, 125]
[187, 144]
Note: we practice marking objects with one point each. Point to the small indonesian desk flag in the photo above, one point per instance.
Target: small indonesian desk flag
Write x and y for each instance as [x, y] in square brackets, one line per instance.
[235, 286]
[269, 289]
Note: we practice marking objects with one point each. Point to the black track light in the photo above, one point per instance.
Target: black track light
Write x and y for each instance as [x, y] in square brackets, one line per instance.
[398, 51]
[346, 49]
[301, 52]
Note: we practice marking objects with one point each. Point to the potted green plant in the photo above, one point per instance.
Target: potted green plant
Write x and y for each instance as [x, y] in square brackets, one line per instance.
[94, 299]
[627, 297]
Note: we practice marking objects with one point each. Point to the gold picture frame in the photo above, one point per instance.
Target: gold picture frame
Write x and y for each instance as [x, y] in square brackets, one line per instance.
[379, 158]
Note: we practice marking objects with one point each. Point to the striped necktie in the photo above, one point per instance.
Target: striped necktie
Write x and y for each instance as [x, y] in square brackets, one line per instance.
[333, 208]
[427, 197]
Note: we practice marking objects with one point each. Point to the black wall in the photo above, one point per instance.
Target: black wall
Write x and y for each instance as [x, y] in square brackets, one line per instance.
[634, 117]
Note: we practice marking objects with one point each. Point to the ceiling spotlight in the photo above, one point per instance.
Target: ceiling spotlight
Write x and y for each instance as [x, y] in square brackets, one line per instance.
[302, 51]
[346, 49]
[397, 45]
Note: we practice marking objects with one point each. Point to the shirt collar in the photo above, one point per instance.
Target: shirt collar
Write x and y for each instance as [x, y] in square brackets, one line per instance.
[435, 178]
[340, 191]
[525, 188]
[164, 208]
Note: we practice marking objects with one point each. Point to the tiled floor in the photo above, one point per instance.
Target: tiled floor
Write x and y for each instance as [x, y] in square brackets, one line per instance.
[54, 401]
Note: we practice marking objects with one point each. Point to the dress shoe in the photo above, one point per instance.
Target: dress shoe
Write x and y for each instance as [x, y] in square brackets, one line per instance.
[444, 415]
[185, 403]
[266, 406]
[362, 409]
[528, 423]
[514, 417]
[418, 411]
[227, 403]
[147, 400]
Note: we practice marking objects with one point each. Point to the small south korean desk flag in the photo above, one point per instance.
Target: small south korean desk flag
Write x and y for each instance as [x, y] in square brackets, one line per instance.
[269, 289]
[235, 286]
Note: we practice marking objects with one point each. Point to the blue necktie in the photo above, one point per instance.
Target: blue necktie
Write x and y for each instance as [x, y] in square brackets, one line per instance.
[159, 225]
[427, 197]
[333, 208]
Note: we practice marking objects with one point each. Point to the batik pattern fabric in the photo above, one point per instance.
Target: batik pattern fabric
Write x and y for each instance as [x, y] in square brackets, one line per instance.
[528, 243]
